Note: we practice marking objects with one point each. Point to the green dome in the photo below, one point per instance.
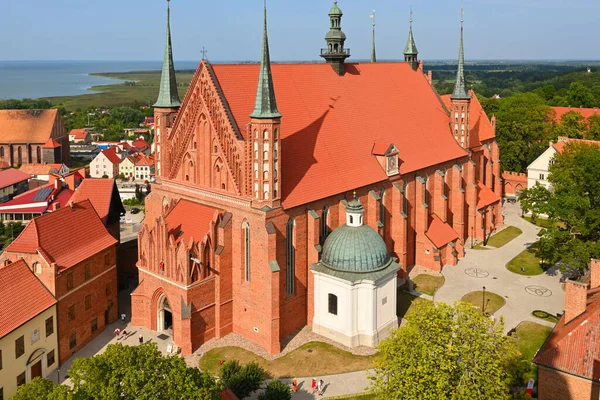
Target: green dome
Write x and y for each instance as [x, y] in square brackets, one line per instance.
[335, 34]
[355, 249]
[335, 10]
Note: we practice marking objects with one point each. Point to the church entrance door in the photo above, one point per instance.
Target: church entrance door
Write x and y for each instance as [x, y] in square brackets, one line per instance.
[165, 316]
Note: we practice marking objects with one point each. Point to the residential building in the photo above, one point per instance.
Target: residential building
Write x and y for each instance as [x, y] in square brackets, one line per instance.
[106, 163]
[539, 170]
[144, 168]
[252, 180]
[28, 330]
[80, 136]
[104, 196]
[74, 256]
[32, 137]
[33, 203]
[12, 183]
[127, 167]
[40, 172]
[61, 169]
[141, 146]
[568, 361]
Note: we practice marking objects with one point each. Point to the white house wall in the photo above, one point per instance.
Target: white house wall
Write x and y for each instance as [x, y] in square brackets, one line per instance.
[538, 170]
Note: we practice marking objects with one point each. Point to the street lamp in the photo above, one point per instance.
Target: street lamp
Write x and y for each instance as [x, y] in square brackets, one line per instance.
[483, 302]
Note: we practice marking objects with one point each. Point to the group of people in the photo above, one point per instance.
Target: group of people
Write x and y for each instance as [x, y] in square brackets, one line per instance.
[317, 386]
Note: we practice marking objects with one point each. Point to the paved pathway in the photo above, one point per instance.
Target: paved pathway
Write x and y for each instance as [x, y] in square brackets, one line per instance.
[523, 294]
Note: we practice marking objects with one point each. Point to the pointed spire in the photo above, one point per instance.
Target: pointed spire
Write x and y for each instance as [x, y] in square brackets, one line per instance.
[411, 47]
[168, 96]
[266, 104]
[373, 53]
[460, 89]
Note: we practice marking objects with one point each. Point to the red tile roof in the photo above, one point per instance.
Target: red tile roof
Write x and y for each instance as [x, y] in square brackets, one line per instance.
[22, 296]
[560, 145]
[79, 134]
[38, 169]
[11, 176]
[51, 144]
[189, 220]
[59, 235]
[585, 112]
[140, 144]
[485, 196]
[112, 155]
[575, 347]
[440, 233]
[331, 122]
[144, 161]
[26, 126]
[481, 127]
[99, 192]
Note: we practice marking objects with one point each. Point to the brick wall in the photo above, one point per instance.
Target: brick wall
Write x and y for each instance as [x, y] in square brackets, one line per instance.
[575, 299]
[513, 181]
[555, 385]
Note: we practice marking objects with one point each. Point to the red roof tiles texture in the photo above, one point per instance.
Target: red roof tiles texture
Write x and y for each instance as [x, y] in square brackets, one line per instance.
[560, 145]
[38, 169]
[99, 192]
[112, 155]
[51, 144]
[585, 112]
[22, 296]
[79, 134]
[331, 122]
[26, 126]
[60, 235]
[440, 233]
[12, 176]
[189, 220]
[485, 196]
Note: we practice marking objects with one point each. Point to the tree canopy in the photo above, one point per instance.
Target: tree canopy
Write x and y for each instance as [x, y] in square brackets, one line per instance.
[573, 207]
[446, 352]
[242, 380]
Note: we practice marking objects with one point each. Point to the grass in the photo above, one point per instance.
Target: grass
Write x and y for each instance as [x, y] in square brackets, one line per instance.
[144, 92]
[365, 396]
[428, 284]
[406, 302]
[323, 359]
[501, 238]
[493, 302]
[530, 337]
[528, 260]
[545, 316]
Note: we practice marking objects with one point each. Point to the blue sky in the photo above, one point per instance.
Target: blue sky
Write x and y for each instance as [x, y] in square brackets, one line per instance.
[231, 29]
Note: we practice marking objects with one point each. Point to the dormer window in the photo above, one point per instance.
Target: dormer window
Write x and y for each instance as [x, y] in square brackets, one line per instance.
[387, 156]
[392, 164]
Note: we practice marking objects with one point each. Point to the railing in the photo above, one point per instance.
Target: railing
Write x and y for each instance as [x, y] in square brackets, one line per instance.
[345, 52]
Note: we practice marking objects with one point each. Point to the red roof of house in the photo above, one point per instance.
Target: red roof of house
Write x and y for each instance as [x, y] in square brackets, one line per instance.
[79, 133]
[144, 161]
[440, 233]
[140, 144]
[575, 347]
[189, 220]
[22, 296]
[51, 144]
[481, 127]
[38, 169]
[60, 236]
[585, 112]
[27, 126]
[330, 122]
[112, 155]
[99, 192]
[11, 176]
[560, 145]
[485, 196]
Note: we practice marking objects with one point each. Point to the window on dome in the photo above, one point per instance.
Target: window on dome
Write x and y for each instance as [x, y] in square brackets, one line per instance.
[332, 302]
[290, 258]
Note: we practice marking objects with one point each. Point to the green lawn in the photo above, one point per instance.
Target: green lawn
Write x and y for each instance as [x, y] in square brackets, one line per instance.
[528, 260]
[313, 358]
[428, 284]
[493, 302]
[144, 92]
[530, 337]
[504, 236]
[365, 396]
[545, 316]
[406, 302]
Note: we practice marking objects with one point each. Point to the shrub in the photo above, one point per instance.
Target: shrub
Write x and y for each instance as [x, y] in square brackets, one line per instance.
[276, 390]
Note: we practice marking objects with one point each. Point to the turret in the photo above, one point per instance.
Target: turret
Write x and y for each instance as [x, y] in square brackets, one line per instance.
[460, 99]
[411, 54]
[335, 53]
[263, 129]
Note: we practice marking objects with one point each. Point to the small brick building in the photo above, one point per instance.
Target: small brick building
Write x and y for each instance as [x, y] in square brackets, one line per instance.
[32, 137]
[513, 183]
[74, 256]
[569, 361]
[251, 179]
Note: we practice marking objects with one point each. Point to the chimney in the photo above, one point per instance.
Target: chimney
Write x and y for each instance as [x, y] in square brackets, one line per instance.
[55, 206]
[594, 273]
[55, 183]
[493, 121]
[430, 77]
[575, 299]
[71, 204]
[421, 65]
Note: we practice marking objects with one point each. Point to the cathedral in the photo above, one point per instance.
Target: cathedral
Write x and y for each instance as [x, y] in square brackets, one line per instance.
[300, 194]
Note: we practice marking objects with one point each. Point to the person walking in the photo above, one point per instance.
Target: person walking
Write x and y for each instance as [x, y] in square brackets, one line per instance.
[140, 339]
[123, 316]
[117, 333]
[294, 385]
[313, 385]
[321, 386]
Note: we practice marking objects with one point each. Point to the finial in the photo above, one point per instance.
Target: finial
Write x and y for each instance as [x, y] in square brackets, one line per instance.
[462, 15]
[204, 51]
[373, 17]
[411, 14]
[354, 195]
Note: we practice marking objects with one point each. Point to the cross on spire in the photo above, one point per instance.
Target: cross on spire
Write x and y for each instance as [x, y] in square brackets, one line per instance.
[373, 53]
[204, 51]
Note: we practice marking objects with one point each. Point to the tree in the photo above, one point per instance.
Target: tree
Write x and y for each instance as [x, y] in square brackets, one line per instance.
[446, 352]
[38, 388]
[573, 208]
[592, 131]
[535, 200]
[139, 195]
[572, 125]
[276, 390]
[242, 380]
[580, 96]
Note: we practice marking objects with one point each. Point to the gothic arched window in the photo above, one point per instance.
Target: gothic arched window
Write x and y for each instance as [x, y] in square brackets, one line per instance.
[290, 263]
[246, 247]
[324, 224]
[381, 208]
[38, 154]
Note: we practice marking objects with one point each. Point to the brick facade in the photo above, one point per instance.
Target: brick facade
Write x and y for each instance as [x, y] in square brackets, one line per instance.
[513, 182]
[560, 386]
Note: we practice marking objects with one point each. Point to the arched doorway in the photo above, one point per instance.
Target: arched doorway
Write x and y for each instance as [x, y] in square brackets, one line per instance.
[165, 316]
[36, 365]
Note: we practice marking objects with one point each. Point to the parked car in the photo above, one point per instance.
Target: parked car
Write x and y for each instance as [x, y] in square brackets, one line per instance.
[135, 210]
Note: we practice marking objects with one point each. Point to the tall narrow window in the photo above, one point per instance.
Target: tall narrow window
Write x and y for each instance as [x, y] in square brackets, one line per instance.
[290, 257]
[405, 198]
[445, 188]
[426, 190]
[38, 154]
[332, 302]
[324, 224]
[19, 156]
[381, 208]
[246, 244]
[19, 347]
